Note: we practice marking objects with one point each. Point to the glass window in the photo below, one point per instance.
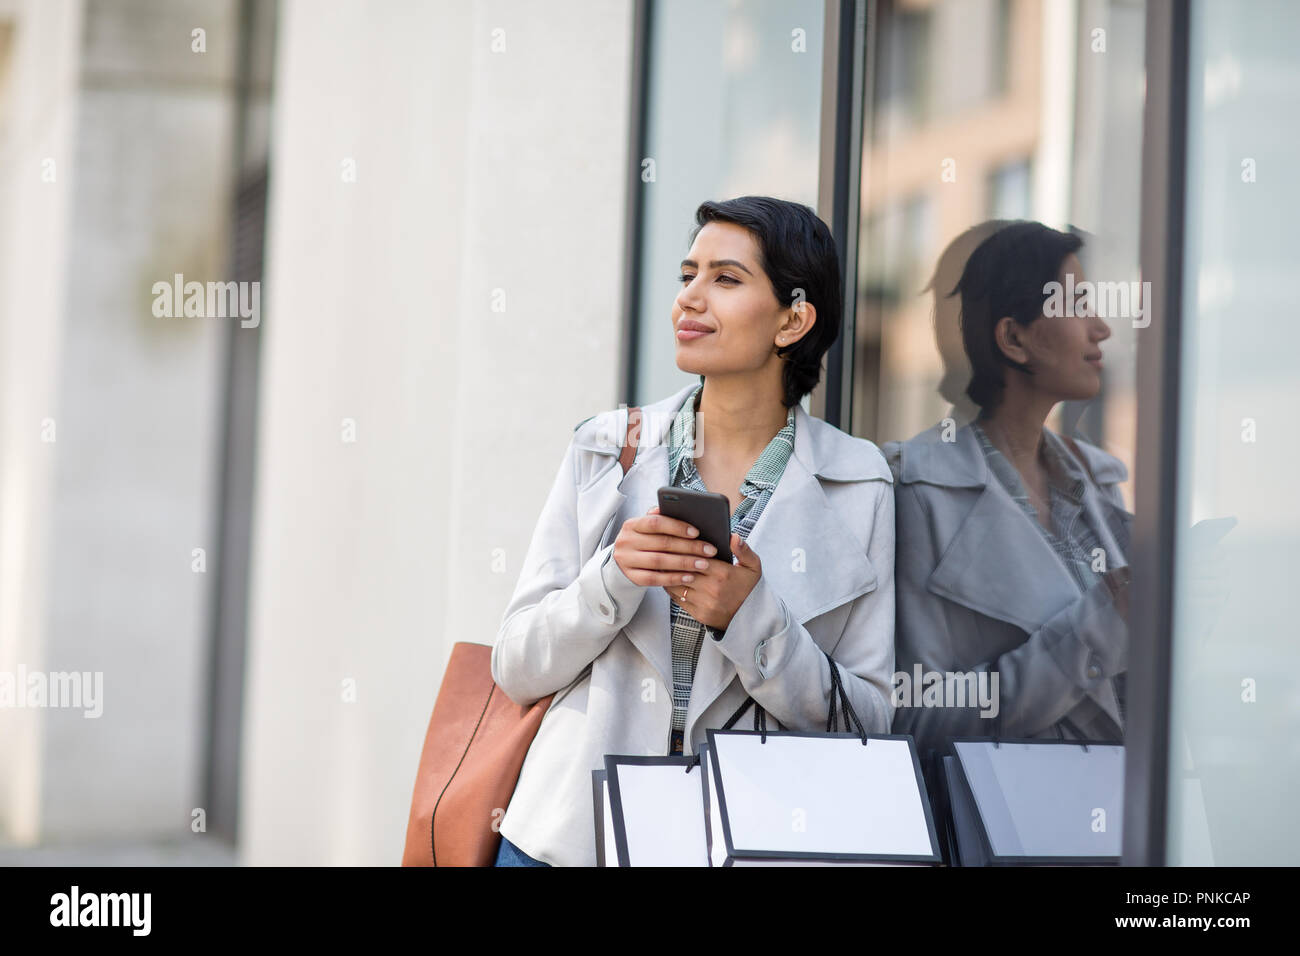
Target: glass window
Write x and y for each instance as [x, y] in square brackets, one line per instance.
[1009, 569]
[982, 110]
[1009, 196]
[1234, 755]
[733, 108]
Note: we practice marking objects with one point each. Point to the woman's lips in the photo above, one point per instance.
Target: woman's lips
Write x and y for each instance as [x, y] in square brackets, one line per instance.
[687, 335]
[1095, 360]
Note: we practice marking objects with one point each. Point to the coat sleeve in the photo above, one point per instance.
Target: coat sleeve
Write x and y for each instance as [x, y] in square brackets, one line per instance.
[564, 612]
[1070, 655]
[784, 668]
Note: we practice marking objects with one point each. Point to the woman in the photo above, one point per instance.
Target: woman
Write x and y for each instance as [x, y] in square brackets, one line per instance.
[1011, 578]
[645, 637]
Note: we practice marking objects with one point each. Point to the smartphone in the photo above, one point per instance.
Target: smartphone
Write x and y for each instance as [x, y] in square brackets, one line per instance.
[707, 511]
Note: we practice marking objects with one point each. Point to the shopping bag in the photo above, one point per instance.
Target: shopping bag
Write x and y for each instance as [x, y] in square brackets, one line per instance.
[795, 798]
[652, 810]
[1036, 801]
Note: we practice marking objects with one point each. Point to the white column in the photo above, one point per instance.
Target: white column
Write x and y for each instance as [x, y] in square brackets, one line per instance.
[428, 162]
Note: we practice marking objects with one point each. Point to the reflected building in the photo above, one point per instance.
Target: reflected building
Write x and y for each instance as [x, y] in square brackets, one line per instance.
[991, 110]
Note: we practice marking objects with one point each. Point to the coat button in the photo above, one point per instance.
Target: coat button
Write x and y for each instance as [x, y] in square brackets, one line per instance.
[762, 660]
[1094, 671]
[604, 609]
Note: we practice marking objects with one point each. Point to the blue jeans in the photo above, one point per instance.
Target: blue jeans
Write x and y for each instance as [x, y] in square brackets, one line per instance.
[510, 855]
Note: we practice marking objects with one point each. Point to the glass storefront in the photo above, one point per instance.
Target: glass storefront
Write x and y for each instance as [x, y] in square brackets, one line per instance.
[733, 102]
[983, 111]
[976, 113]
[1234, 750]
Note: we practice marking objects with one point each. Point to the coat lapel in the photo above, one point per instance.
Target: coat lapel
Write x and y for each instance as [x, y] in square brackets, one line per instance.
[809, 559]
[1028, 583]
[1025, 586]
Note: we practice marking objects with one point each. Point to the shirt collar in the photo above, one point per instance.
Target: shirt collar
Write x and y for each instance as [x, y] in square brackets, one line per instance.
[765, 472]
[1062, 475]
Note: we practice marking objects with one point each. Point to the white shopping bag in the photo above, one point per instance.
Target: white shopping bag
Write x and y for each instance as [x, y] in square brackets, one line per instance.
[797, 799]
[791, 798]
[606, 854]
[1036, 801]
[653, 812]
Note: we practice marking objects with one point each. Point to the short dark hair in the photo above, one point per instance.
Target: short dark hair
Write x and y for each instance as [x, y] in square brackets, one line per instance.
[796, 251]
[1005, 275]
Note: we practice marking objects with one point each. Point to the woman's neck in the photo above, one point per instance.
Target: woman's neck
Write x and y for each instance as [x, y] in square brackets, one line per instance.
[1016, 430]
[733, 420]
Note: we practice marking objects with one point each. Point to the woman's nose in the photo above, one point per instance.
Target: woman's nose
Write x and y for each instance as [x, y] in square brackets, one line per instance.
[1101, 330]
[689, 296]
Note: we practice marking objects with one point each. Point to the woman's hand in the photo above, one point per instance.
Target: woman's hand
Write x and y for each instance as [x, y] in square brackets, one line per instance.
[658, 550]
[715, 594]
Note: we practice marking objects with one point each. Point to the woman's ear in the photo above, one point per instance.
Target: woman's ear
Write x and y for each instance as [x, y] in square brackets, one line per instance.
[803, 316]
[1009, 336]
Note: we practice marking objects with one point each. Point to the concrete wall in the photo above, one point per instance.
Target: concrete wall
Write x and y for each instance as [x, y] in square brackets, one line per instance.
[140, 126]
[409, 431]
[38, 51]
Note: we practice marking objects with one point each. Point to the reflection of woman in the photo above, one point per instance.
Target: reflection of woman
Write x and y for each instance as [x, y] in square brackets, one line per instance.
[1011, 584]
[947, 318]
[643, 648]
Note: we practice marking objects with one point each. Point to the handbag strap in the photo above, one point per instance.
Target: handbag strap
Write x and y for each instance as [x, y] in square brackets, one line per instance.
[633, 439]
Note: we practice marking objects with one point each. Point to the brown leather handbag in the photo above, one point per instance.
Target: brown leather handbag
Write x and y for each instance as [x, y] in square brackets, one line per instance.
[473, 751]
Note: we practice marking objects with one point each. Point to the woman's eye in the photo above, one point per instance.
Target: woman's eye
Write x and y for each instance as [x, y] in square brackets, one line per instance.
[685, 278]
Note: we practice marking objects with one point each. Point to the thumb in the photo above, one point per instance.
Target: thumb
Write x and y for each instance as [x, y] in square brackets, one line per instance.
[745, 555]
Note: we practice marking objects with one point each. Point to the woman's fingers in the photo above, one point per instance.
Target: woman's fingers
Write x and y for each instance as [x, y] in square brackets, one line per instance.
[671, 544]
[651, 560]
[671, 581]
[657, 550]
[656, 523]
[655, 539]
[664, 579]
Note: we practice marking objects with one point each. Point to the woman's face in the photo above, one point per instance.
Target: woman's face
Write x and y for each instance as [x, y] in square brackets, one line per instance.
[726, 319]
[1064, 351]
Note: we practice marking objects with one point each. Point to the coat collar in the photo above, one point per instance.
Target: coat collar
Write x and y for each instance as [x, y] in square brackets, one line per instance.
[959, 462]
[821, 448]
[811, 558]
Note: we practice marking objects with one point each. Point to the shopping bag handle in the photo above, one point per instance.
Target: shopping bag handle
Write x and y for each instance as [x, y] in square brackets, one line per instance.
[838, 694]
[837, 690]
[760, 718]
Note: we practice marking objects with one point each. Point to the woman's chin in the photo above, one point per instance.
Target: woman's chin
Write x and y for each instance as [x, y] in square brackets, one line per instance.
[1086, 392]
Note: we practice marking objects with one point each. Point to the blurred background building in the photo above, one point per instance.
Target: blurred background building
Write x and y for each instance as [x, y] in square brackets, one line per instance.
[464, 220]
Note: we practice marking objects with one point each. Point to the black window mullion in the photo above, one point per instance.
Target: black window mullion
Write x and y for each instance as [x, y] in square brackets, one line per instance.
[1164, 163]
